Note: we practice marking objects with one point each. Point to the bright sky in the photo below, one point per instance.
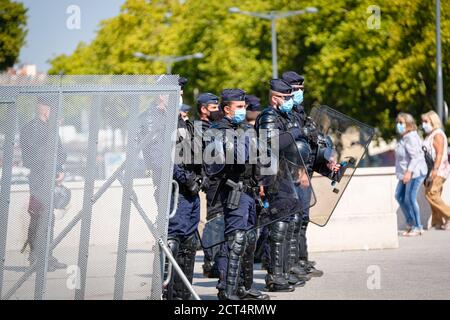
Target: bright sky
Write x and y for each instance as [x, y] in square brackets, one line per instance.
[48, 31]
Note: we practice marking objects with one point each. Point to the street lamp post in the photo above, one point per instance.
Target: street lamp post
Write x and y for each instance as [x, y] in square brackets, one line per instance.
[168, 60]
[439, 91]
[273, 16]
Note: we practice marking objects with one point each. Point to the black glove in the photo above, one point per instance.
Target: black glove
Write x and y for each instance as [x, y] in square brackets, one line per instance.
[204, 185]
[296, 133]
[192, 184]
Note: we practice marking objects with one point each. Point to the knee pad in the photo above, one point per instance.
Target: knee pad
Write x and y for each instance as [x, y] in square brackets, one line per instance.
[174, 245]
[290, 229]
[278, 231]
[251, 244]
[248, 260]
[237, 242]
[297, 219]
[186, 261]
[251, 237]
[295, 226]
[190, 243]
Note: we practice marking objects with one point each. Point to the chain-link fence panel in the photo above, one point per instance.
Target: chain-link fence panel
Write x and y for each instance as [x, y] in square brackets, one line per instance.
[86, 167]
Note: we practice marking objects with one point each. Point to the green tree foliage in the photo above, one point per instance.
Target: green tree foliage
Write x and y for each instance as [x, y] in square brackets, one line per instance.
[368, 73]
[12, 32]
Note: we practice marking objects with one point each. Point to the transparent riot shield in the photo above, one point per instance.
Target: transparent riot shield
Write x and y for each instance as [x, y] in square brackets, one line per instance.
[343, 140]
[281, 183]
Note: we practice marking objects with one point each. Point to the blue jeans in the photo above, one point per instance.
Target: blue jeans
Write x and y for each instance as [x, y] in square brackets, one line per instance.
[406, 196]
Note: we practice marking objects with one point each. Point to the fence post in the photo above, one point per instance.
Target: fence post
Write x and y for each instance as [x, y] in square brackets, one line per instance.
[5, 189]
[88, 202]
[43, 241]
[130, 164]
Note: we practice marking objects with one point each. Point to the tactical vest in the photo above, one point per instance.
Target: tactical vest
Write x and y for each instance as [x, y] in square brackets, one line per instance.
[236, 172]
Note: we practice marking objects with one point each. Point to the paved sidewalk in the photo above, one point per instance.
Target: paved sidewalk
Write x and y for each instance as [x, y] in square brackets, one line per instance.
[418, 269]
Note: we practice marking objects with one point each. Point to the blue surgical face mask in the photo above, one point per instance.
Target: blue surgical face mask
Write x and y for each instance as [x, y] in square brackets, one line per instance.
[298, 97]
[287, 106]
[239, 115]
[400, 128]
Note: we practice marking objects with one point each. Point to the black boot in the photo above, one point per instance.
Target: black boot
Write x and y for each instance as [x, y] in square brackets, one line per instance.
[222, 279]
[275, 279]
[251, 294]
[310, 269]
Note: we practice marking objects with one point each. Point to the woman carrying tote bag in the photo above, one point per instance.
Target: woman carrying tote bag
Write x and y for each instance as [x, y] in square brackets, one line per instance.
[436, 145]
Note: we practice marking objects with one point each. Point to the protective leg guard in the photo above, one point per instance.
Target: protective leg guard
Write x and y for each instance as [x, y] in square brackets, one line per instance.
[210, 269]
[303, 247]
[186, 261]
[245, 290]
[214, 273]
[292, 266]
[168, 290]
[236, 244]
[275, 280]
[207, 262]
[293, 275]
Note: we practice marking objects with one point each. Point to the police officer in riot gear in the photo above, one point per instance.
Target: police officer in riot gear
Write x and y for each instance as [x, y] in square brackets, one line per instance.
[302, 264]
[208, 109]
[279, 116]
[253, 109]
[151, 127]
[237, 194]
[262, 246]
[33, 141]
[209, 112]
[297, 83]
[182, 235]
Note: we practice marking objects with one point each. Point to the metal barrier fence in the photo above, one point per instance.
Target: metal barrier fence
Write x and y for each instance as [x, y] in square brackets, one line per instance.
[68, 146]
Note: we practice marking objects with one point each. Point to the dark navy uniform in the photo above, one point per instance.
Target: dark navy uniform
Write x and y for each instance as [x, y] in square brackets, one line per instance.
[210, 267]
[182, 232]
[237, 221]
[300, 248]
[182, 236]
[304, 195]
[239, 214]
[279, 277]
